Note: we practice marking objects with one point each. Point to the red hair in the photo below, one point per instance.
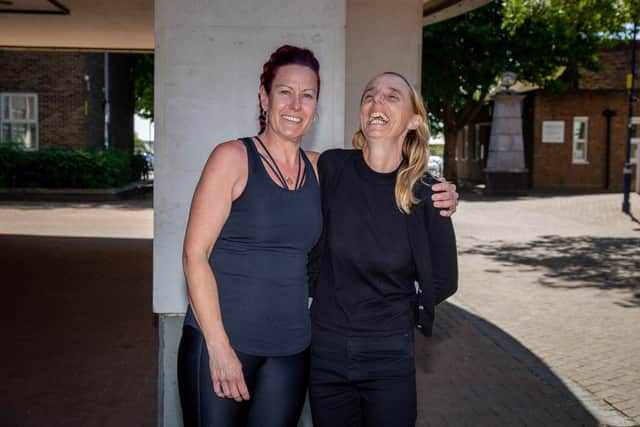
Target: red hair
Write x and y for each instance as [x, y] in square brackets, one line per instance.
[285, 55]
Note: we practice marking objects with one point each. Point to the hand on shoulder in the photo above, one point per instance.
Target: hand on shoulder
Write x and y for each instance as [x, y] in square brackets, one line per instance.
[445, 197]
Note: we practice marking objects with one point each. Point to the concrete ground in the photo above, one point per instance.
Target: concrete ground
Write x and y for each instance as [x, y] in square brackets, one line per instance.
[541, 332]
[79, 336]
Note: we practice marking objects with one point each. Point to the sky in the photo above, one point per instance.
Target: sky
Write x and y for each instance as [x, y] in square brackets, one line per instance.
[143, 128]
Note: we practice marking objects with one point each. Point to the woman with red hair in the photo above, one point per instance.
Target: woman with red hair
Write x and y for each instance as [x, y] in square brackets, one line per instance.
[255, 215]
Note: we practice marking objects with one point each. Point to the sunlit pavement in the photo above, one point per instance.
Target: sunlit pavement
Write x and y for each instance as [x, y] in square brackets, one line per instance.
[561, 274]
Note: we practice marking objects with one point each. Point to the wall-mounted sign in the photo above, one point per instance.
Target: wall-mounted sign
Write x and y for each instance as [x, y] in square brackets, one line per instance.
[553, 131]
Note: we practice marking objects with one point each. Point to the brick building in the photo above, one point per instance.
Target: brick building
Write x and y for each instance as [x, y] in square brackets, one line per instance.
[57, 99]
[574, 141]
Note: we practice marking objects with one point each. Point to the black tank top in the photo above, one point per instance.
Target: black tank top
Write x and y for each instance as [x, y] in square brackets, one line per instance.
[260, 262]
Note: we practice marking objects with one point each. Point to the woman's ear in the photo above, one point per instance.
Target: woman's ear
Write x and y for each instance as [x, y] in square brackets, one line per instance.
[415, 122]
[264, 98]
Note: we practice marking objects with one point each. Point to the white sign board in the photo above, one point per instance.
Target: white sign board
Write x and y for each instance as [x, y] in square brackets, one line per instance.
[553, 131]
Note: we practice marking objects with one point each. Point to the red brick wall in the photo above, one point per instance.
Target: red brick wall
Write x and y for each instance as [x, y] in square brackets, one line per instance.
[57, 79]
[552, 163]
[471, 169]
[615, 64]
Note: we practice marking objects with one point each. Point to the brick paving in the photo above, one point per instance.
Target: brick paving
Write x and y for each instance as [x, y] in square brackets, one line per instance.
[561, 275]
[516, 347]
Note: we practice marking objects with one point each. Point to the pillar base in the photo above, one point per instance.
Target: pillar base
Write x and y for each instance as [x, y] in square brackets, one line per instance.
[506, 183]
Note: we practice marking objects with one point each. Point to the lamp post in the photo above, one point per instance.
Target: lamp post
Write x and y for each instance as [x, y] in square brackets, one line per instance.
[508, 79]
[626, 205]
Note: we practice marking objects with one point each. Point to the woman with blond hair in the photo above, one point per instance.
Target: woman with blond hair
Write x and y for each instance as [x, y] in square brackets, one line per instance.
[380, 237]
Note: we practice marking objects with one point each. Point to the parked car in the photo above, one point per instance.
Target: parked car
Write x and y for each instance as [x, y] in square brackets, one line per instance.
[149, 158]
[435, 165]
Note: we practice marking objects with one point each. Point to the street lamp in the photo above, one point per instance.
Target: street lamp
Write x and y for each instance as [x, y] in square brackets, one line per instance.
[626, 183]
[508, 79]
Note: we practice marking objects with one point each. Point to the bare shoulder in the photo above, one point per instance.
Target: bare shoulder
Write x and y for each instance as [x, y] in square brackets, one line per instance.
[313, 156]
[226, 168]
[227, 156]
[229, 151]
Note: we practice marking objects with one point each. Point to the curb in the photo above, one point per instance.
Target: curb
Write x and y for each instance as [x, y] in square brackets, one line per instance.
[75, 194]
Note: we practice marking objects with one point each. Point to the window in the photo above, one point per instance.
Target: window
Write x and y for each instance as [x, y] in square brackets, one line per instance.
[465, 145]
[483, 135]
[635, 140]
[19, 119]
[580, 139]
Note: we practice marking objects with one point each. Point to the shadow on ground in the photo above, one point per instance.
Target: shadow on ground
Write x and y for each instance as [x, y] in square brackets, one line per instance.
[81, 347]
[471, 373]
[575, 262]
[80, 338]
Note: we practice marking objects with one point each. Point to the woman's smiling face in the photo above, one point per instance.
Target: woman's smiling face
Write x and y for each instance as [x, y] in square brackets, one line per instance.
[292, 102]
[386, 109]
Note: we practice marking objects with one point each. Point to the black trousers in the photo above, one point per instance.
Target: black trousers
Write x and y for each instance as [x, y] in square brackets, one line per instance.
[362, 381]
[277, 386]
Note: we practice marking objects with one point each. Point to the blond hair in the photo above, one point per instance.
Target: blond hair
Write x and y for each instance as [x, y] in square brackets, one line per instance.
[415, 152]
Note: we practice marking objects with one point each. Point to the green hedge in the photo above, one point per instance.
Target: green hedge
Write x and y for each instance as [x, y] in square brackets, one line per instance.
[68, 168]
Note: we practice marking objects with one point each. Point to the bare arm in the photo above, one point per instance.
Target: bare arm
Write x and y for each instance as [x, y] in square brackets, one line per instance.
[223, 180]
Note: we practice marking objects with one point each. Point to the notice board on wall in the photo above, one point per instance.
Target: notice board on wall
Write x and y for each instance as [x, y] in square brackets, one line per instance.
[553, 131]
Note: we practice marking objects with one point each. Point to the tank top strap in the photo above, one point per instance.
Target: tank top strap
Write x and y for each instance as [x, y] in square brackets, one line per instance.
[308, 170]
[253, 157]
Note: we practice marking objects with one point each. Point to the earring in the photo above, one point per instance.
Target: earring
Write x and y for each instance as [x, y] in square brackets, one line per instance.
[316, 117]
[265, 114]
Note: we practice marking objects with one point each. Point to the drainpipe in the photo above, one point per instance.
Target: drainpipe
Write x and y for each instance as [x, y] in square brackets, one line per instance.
[626, 205]
[608, 113]
[107, 113]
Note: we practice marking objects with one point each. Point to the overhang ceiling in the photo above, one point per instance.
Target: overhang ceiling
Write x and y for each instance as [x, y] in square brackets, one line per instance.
[121, 25]
[440, 10]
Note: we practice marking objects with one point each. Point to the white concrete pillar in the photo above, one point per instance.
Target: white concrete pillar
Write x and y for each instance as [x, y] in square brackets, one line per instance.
[209, 56]
[381, 36]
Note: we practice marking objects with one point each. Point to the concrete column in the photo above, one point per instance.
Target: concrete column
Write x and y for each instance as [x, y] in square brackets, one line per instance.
[381, 36]
[209, 56]
[506, 171]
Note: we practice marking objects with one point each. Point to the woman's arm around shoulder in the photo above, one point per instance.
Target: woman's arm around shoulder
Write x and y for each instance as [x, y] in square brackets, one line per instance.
[442, 247]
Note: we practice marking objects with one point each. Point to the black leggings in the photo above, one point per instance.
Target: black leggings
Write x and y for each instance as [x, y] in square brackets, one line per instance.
[277, 386]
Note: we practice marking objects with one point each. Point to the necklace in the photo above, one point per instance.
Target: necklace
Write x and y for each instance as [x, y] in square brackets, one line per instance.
[285, 180]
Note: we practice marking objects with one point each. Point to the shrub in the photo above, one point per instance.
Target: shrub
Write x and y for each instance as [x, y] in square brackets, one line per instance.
[68, 168]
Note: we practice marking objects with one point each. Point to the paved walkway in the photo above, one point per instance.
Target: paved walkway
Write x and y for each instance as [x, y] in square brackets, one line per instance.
[509, 350]
[562, 276]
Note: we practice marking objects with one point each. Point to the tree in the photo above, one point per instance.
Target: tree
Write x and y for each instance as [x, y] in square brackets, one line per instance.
[143, 86]
[464, 57]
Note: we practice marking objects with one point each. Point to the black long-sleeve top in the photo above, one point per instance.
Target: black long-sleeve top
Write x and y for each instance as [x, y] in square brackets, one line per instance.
[370, 255]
